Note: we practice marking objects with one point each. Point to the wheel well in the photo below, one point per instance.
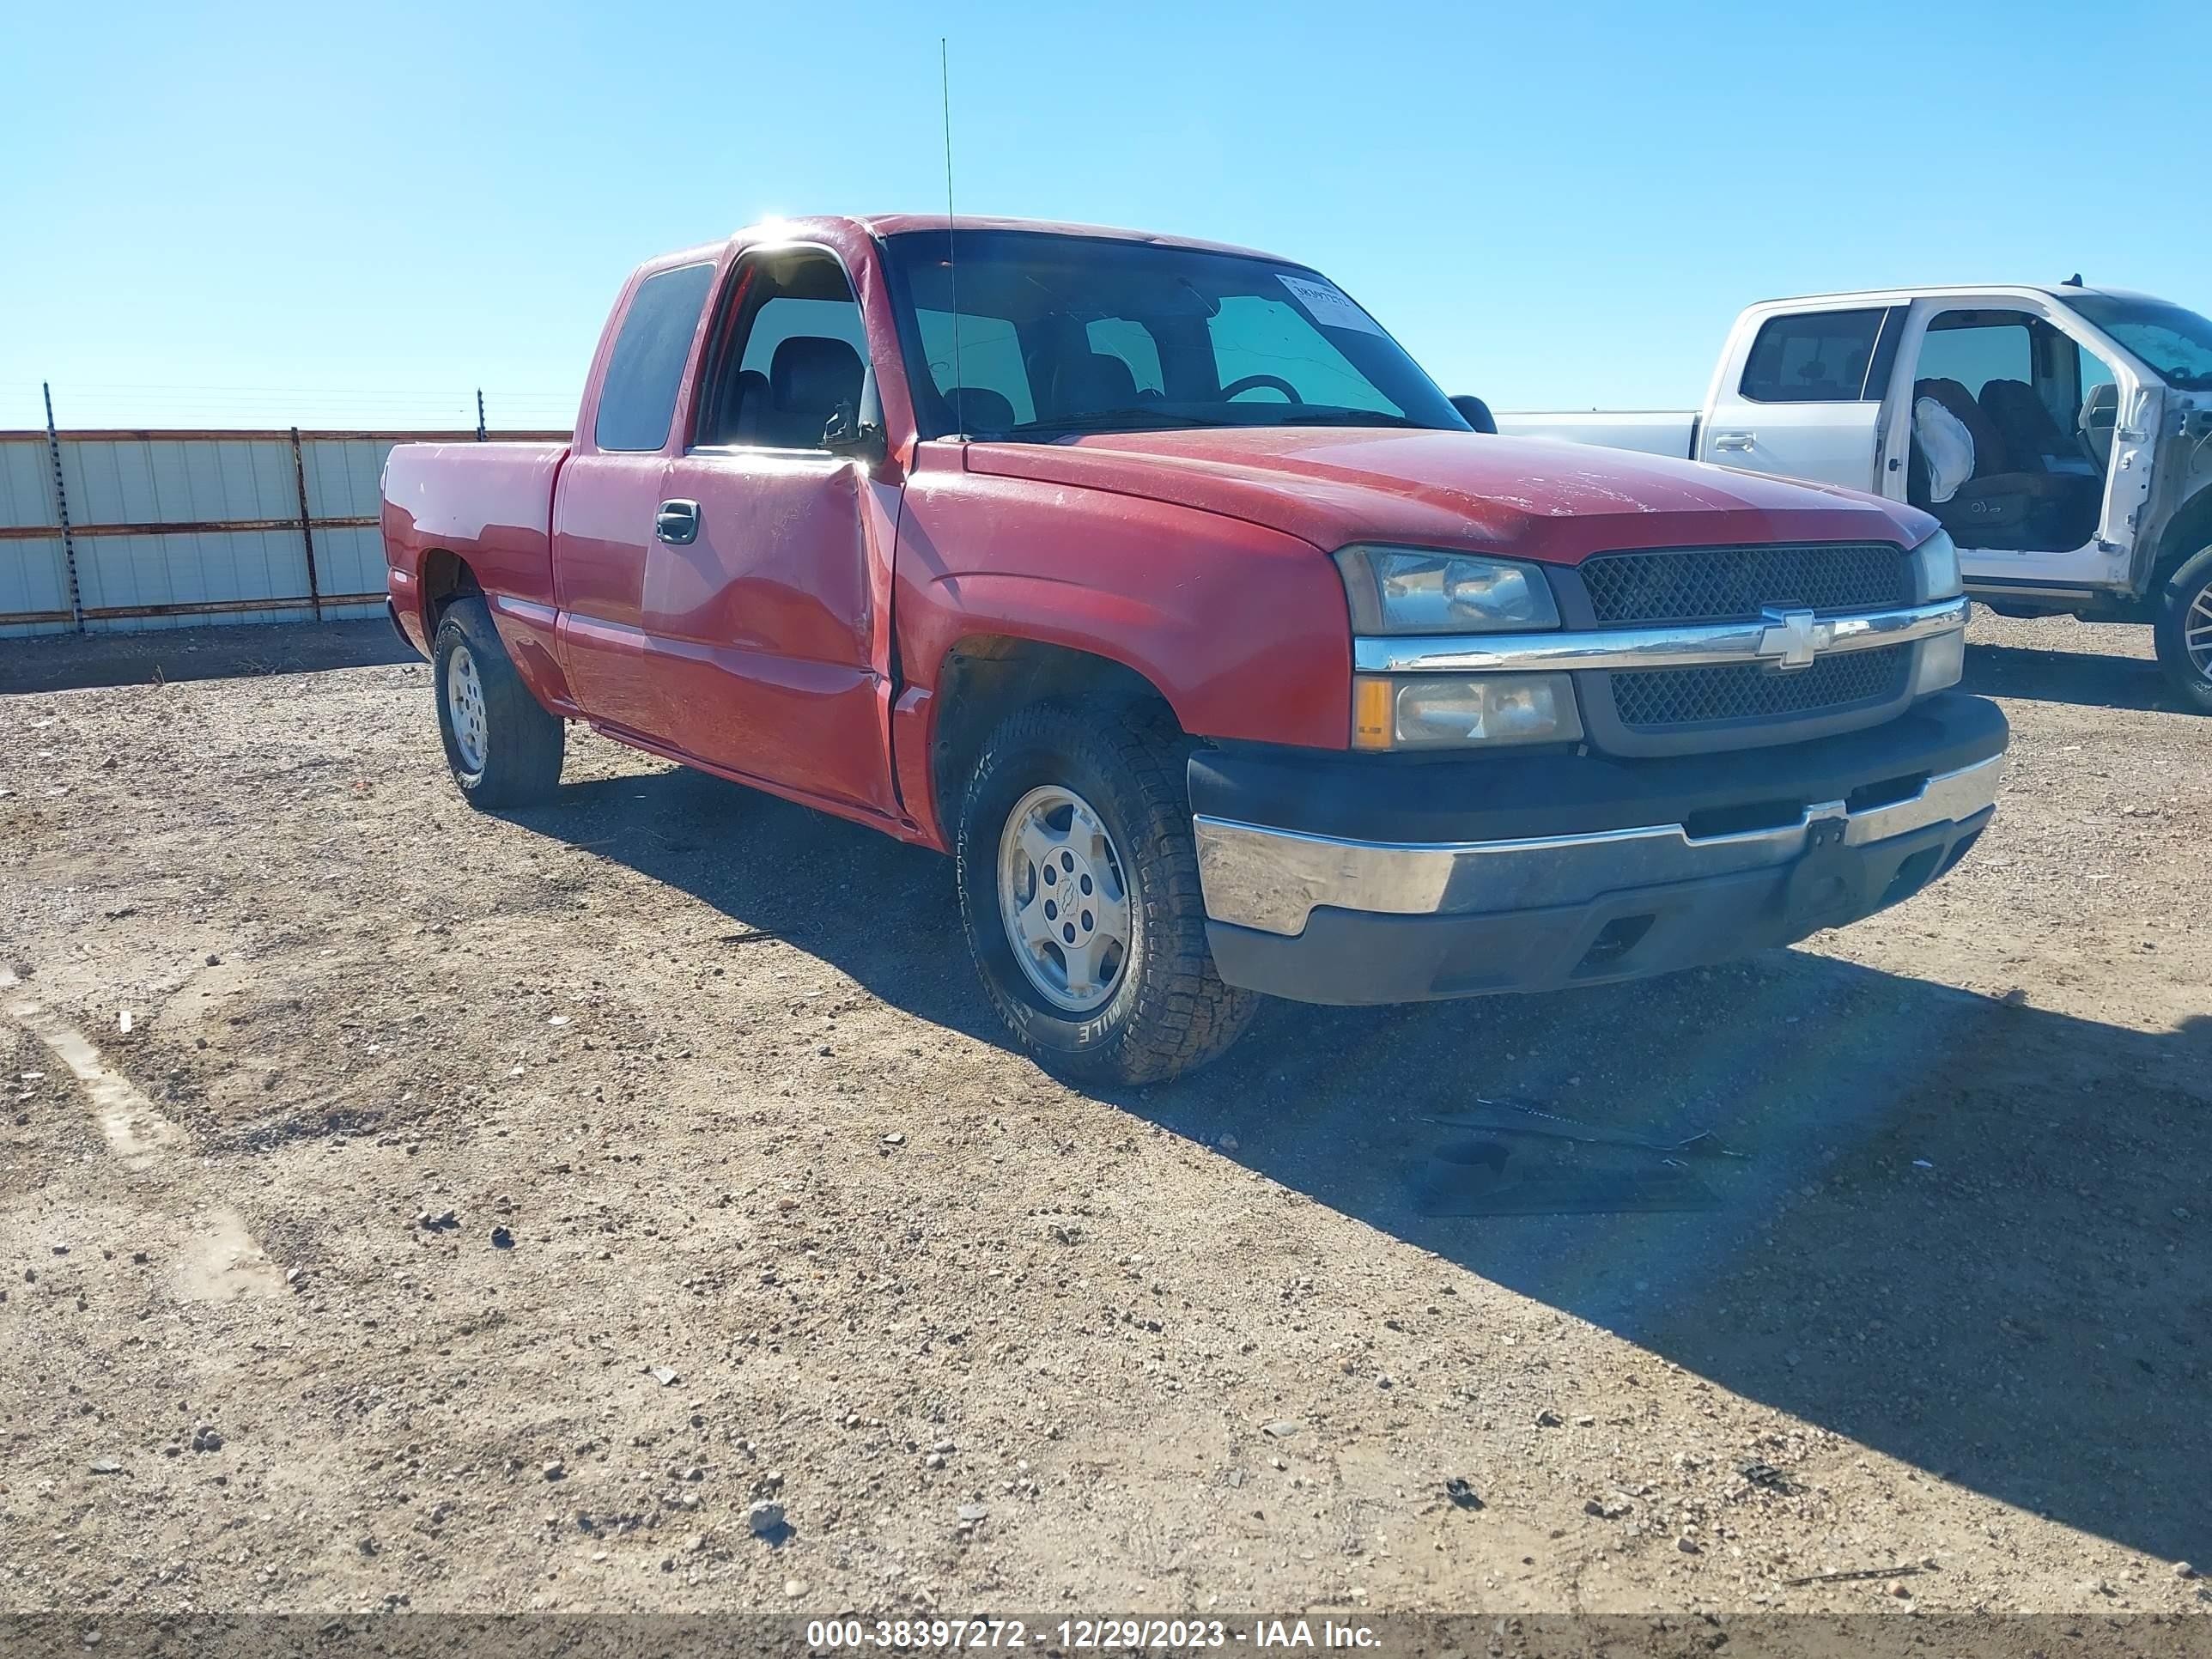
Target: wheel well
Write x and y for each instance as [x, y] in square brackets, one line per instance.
[2190, 534]
[987, 677]
[444, 577]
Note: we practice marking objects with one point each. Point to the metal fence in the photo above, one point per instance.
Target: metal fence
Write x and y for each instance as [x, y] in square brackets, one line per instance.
[118, 530]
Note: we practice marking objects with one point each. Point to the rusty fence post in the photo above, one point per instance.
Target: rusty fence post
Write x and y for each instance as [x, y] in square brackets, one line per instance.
[307, 527]
[61, 508]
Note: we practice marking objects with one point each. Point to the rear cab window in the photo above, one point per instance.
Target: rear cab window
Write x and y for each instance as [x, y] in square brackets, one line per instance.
[1816, 358]
[637, 396]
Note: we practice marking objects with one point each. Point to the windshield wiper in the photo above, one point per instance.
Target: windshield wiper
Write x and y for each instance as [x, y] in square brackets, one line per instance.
[1142, 418]
[1340, 415]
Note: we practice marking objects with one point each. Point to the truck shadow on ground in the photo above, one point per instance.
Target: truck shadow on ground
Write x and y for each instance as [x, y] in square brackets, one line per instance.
[1973, 1235]
[2073, 676]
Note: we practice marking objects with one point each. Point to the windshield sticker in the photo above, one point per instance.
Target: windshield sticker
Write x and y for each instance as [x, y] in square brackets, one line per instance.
[1327, 305]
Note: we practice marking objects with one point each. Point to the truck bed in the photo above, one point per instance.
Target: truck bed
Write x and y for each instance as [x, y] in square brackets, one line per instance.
[1651, 431]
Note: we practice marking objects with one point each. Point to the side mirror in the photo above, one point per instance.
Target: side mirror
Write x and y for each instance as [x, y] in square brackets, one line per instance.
[1475, 412]
[847, 433]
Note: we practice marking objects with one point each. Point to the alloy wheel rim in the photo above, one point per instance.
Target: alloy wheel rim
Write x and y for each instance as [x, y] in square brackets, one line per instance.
[2197, 631]
[1064, 899]
[464, 708]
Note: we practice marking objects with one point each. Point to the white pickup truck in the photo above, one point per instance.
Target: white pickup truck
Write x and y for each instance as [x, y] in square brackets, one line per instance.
[2062, 434]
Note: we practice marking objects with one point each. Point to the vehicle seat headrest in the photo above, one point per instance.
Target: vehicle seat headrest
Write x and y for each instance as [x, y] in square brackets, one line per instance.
[810, 372]
[1991, 455]
[2016, 410]
[1091, 380]
[978, 409]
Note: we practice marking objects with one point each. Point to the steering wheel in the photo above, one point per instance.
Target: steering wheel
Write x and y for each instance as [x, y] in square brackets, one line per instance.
[1252, 382]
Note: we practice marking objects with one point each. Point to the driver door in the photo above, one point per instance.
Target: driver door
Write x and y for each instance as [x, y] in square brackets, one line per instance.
[757, 593]
[2101, 560]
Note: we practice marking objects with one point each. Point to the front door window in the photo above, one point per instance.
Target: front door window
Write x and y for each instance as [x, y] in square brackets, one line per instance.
[2004, 415]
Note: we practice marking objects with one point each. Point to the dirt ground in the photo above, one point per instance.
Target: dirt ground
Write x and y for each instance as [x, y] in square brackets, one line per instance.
[487, 1213]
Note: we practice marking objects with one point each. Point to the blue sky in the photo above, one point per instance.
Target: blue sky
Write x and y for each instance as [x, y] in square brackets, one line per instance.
[244, 214]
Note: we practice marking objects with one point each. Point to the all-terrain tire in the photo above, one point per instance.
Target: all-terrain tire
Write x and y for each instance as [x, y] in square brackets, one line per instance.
[504, 748]
[1170, 1012]
[2184, 629]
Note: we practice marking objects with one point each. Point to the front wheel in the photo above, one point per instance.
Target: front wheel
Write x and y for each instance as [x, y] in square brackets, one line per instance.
[1079, 893]
[504, 748]
[2184, 632]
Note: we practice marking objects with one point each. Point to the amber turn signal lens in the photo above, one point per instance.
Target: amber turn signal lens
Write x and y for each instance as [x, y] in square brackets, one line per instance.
[1370, 713]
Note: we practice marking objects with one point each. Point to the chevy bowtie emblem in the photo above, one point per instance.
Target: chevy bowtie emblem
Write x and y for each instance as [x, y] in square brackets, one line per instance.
[1791, 639]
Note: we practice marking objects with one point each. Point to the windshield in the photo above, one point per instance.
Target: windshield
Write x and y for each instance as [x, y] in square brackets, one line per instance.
[2174, 341]
[1063, 334]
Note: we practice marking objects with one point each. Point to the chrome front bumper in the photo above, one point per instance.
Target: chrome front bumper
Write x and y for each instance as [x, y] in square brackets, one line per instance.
[1271, 880]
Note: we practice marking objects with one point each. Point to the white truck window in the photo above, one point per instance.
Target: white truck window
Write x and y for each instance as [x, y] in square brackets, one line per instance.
[1814, 357]
[1974, 348]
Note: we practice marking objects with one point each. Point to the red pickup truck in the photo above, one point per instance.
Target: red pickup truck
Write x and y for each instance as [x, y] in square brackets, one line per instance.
[1152, 581]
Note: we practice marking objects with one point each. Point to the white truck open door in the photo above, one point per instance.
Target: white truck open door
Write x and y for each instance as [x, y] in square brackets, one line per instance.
[1798, 393]
[2101, 562]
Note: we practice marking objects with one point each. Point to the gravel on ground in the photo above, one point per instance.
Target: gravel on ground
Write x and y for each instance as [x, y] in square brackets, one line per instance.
[632, 1204]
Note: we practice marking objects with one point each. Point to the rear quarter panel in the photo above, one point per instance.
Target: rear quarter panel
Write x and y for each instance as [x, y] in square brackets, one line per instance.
[489, 506]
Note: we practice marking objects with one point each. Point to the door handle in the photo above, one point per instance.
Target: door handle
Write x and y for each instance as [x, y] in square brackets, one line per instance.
[676, 523]
[1732, 440]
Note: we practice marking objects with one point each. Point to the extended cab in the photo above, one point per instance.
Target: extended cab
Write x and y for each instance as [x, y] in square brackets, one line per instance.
[2062, 434]
[1152, 581]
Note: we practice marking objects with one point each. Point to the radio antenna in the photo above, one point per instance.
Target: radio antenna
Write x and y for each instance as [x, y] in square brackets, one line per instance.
[952, 252]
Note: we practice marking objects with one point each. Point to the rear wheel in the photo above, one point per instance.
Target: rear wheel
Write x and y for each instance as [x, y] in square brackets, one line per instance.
[501, 746]
[1080, 893]
[2185, 631]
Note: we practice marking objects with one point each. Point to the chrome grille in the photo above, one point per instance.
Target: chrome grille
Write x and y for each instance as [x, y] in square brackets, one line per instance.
[1735, 584]
[1664, 698]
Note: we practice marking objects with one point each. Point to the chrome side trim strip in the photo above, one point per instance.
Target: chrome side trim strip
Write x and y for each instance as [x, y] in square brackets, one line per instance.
[1617, 649]
[1271, 880]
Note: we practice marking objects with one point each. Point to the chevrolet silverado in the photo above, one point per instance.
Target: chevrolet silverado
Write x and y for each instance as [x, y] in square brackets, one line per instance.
[1153, 581]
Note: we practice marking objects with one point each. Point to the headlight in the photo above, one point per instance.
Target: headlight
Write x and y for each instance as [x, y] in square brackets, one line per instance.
[1404, 590]
[1462, 711]
[1936, 569]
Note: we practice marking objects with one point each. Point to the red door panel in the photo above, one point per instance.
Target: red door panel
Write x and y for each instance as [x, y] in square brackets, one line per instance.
[602, 525]
[761, 628]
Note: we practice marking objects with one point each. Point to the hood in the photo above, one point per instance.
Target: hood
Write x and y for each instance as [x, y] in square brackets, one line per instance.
[1534, 498]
